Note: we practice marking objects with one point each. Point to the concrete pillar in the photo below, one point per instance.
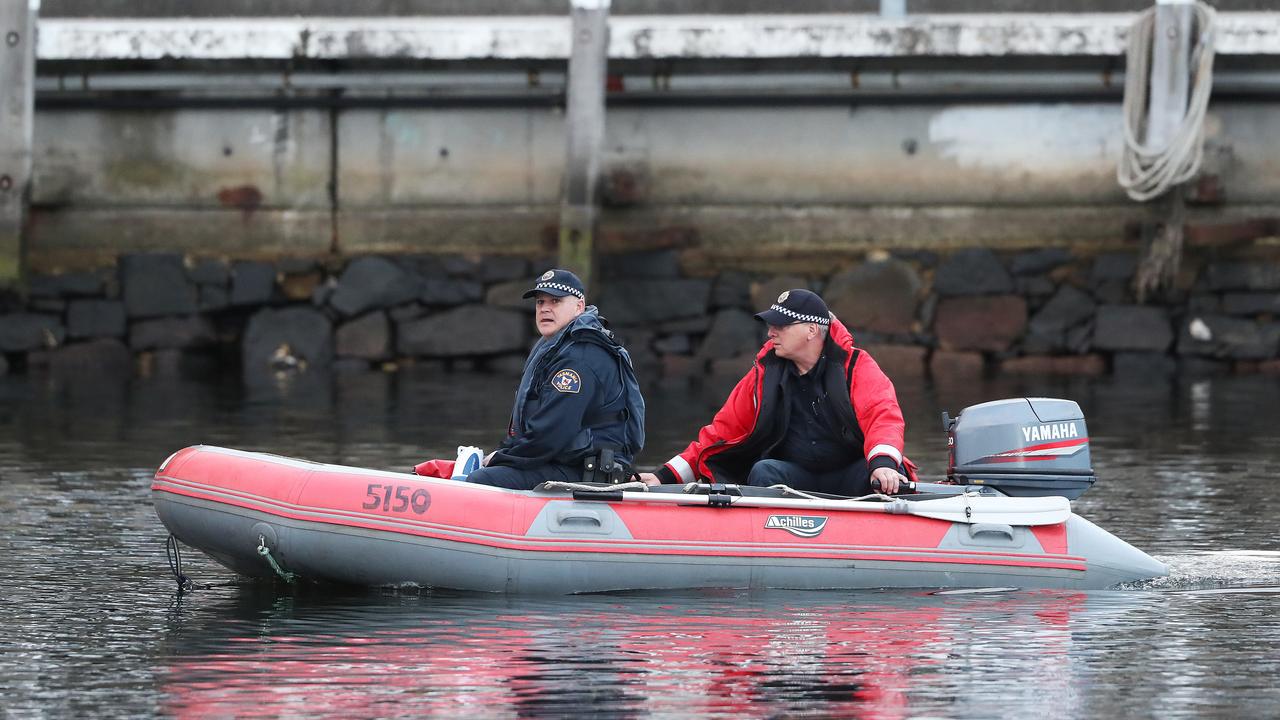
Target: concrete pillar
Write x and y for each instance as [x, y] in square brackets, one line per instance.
[584, 124]
[893, 8]
[1170, 71]
[17, 75]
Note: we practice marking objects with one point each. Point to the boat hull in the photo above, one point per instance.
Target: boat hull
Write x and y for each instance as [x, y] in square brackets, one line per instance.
[376, 528]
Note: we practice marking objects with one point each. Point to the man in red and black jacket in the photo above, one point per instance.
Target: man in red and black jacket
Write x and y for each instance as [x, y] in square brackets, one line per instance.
[814, 413]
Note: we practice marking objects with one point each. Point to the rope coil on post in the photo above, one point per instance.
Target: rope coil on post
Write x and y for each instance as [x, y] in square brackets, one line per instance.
[1147, 172]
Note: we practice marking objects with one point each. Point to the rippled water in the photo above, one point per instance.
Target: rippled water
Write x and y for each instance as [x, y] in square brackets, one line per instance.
[1188, 471]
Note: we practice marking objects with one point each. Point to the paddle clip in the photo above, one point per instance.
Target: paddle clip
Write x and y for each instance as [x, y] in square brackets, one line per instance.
[265, 552]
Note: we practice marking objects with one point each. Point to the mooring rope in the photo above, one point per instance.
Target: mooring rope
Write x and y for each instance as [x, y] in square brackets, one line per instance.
[265, 552]
[1146, 172]
[173, 552]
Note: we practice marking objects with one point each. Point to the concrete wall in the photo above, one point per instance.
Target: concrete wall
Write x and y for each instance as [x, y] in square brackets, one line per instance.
[750, 183]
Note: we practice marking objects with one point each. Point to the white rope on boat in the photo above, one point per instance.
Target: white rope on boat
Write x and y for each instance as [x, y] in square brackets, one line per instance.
[788, 490]
[583, 487]
[1146, 172]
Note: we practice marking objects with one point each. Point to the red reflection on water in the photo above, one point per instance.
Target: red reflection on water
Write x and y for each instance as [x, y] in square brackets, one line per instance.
[832, 660]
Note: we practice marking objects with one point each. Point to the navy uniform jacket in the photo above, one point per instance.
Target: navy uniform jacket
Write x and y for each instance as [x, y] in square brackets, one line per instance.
[573, 399]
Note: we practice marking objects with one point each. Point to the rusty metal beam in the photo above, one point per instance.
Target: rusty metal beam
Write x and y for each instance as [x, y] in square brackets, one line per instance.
[17, 83]
[584, 130]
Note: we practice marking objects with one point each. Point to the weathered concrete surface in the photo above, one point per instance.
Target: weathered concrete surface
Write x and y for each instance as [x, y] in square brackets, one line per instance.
[17, 66]
[246, 160]
[631, 37]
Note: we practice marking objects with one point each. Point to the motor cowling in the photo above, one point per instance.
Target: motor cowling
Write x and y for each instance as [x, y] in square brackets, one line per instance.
[1021, 447]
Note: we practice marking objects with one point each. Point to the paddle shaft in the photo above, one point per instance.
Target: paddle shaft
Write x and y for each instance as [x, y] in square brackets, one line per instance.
[962, 509]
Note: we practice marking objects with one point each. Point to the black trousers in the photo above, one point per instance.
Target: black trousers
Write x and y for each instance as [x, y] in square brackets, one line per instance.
[852, 481]
[524, 478]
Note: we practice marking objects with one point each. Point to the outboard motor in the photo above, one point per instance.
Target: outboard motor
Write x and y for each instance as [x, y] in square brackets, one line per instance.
[1021, 447]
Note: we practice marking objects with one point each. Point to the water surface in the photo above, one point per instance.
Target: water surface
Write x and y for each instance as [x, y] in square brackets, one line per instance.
[92, 627]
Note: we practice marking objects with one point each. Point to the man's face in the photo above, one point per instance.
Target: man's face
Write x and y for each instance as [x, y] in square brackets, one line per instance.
[552, 313]
[789, 340]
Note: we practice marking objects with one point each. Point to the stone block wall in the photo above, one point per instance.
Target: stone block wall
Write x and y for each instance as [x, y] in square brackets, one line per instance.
[954, 314]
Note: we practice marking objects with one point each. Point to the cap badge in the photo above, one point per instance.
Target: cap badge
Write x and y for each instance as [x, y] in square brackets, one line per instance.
[783, 297]
[548, 275]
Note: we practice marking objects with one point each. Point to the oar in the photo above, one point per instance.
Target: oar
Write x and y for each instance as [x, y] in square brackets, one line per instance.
[958, 508]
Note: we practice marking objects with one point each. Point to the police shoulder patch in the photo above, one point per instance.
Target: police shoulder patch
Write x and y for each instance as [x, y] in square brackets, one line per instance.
[566, 381]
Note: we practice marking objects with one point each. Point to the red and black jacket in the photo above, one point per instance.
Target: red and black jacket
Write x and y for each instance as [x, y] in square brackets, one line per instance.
[751, 421]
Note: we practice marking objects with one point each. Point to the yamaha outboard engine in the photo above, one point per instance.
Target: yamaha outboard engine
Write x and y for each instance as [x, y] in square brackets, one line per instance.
[1022, 447]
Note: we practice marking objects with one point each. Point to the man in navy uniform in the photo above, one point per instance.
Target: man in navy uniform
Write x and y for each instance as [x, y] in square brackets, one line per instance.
[578, 400]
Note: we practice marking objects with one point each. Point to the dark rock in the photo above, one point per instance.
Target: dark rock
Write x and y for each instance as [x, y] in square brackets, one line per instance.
[640, 302]
[1246, 303]
[95, 318]
[208, 271]
[1143, 365]
[156, 284]
[505, 268]
[21, 332]
[373, 282]
[733, 333]
[1205, 303]
[408, 311]
[1054, 365]
[101, 358]
[213, 298]
[1113, 267]
[765, 292]
[980, 323]
[1080, 338]
[447, 292]
[1034, 286]
[458, 266]
[290, 338]
[899, 361]
[928, 310]
[367, 337]
[510, 365]
[975, 271]
[731, 289]
[879, 296]
[252, 283]
[1237, 275]
[323, 292]
[673, 345]
[49, 306]
[1230, 338]
[464, 331]
[1067, 308]
[1113, 292]
[508, 295]
[4, 366]
[1132, 327]
[74, 284]
[694, 325]
[172, 332]
[1039, 261]
[650, 264]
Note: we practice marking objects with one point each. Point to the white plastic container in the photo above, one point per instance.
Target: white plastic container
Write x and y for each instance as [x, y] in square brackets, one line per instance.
[469, 458]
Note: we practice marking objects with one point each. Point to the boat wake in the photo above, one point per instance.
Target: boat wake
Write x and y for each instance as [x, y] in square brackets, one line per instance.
[1218, 572]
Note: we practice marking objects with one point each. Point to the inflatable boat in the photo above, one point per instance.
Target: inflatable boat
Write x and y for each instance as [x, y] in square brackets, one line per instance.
[1002, 518]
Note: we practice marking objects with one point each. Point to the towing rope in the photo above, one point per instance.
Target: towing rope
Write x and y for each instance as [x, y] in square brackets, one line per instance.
[173, 552]
[265, 552]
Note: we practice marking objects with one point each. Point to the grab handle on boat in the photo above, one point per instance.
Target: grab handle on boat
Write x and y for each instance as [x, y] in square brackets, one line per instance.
[579, 517]
[977, 529]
